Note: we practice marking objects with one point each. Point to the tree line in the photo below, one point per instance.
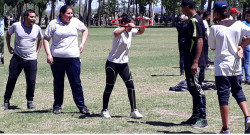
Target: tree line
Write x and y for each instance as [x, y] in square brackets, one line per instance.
[109, 8]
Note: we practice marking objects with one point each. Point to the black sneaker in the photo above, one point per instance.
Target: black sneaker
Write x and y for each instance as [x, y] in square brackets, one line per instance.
[201, 123]
[192, 120]
[85, 111]
[30, 105]
[57, 110]
[6, 106]
[247, 82]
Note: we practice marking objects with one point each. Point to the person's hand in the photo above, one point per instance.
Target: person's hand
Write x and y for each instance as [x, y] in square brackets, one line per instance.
[240, 52]
[81, 48]
[145, 20]
[131, 25]
[50, 60]
[11, 50]
[194, 68]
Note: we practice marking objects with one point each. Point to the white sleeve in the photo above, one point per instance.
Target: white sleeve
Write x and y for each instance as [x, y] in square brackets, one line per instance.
[49, 30]
[80, 25]
[211, 38]
[134, 32]
[12, 29]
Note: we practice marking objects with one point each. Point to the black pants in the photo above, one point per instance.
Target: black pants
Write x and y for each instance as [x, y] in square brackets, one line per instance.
[112, 69]
[72, 67]
[198, 95]
[17, 64]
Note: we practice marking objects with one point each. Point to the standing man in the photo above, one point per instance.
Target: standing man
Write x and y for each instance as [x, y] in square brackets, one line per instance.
[225, 39]
[24, 56]
[192, 62]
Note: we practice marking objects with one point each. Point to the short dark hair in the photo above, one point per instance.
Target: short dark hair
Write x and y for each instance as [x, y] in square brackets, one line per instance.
[27, 12]
[223, 14]
[205, 14]
[190, 3]
[199, 12]
[64, 9]
[126, 18]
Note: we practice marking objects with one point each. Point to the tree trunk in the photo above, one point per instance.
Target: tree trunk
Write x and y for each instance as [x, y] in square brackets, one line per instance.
[136, 8]
[89, 13]
[202, 4]
[79, 10]
[85, 14]
[129, 2]
[173, 16]
[99, 12]
[244, 9]
[209, 5]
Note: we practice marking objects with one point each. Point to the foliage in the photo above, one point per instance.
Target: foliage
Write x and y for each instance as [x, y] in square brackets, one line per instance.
[70, 2]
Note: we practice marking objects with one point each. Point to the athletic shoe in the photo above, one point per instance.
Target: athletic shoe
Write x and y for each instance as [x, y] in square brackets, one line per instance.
[85, 111]
[225, 131]
[30, 105]
[192, 120]
[247, 82]
[247, 125]
[201, 123]
[6, 106]
[57, 110]
[135, 114]
[105, 113]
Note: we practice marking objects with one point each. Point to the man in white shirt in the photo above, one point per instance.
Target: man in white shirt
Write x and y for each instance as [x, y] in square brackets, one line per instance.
[225, 38]
[25, 53]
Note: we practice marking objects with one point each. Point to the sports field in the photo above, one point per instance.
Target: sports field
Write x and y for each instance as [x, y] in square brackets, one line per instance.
[154, 62]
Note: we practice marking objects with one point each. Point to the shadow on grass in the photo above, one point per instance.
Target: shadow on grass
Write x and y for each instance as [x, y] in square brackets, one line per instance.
[36, 111]
[163, 75]
[13, 107]
[1, 132]
[96, 115]
[181, 132]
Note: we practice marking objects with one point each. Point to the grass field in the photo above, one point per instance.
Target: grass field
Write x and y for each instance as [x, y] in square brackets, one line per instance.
[154, 65]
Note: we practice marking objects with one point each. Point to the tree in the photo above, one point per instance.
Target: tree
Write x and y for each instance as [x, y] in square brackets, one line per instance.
[89, 12]
[41, 4]
[70, 2]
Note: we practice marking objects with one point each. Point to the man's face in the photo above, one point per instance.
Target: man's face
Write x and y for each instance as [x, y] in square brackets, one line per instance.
[31, 19]
[184, 10]
[234, 14]
[248, 17]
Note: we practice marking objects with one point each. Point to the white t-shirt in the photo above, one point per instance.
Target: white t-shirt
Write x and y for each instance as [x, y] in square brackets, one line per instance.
[225, 41]
[206, 26]
[121, 45]
[25, 40]
[64, 37]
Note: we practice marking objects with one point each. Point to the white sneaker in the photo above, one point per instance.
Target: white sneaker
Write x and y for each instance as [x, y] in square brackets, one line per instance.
[105, 113]
[135, 114]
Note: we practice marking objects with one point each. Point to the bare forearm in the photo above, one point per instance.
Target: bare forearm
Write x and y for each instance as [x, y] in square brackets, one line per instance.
[39, 45]
[198, 50]
[46, 47]
[245, 43]
[85, 36]
[119, 31]
[8, 38]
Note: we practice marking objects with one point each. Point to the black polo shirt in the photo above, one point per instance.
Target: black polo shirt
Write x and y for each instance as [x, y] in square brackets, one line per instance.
[195, 30]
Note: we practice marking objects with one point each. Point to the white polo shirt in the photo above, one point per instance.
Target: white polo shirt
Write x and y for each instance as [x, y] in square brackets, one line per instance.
[64, 37]
[121, 45]
[225, 41]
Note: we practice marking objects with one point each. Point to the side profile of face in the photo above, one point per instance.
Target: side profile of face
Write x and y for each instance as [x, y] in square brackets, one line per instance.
[66, 17]
[128, 29]
[248, 17]
[30, 20]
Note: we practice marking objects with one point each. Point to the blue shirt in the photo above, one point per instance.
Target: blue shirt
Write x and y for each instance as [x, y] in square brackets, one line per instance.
[247, 48]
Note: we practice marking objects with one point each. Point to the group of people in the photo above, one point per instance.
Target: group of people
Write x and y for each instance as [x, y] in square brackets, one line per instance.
[225, 37]
[63, 56]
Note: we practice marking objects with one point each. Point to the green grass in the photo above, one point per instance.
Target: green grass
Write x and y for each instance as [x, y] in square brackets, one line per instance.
[154, 65]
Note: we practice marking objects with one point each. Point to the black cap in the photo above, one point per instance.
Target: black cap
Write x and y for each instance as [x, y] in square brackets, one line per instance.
[187, 3]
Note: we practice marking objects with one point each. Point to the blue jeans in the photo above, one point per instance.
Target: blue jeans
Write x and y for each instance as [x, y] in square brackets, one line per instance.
[17, 64]
[245, 63]
[72, 67]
